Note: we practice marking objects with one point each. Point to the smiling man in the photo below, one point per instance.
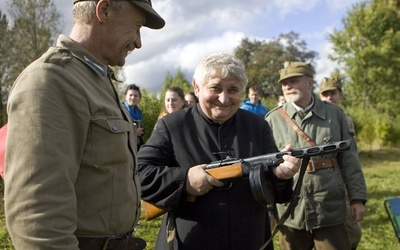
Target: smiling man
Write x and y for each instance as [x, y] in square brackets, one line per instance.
[171, 165]
[71, 158]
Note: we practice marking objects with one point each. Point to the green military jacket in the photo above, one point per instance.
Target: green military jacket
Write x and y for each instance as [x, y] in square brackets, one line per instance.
[70, 166]
[323, 192]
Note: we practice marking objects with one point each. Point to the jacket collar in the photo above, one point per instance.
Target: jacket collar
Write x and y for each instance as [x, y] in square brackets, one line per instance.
[82, 54]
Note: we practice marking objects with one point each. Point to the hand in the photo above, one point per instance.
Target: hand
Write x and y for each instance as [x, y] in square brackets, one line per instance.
[357, 211]
[199, 182]
[289, 167]
[140, 131]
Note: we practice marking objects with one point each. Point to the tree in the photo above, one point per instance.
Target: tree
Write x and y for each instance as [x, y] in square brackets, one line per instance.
[36, 24]
[369, 51]
[178, 80]
[263, 60]
[5, 37]
[150, 106]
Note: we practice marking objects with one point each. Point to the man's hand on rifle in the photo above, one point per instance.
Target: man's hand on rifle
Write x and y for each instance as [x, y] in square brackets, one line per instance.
[199, 182]
[289, 167]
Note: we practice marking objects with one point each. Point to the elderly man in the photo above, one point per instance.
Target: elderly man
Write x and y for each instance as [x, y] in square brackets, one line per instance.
[71, 148]
[321, 213]
[171, 165]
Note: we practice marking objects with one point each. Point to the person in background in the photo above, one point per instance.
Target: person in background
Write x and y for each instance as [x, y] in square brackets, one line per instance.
[330, 90]
[133, 95]
[174, 100]
[253, 103]
[71, 164]
[281, 100]
[190, 99]
[225, 216]
[320, 216]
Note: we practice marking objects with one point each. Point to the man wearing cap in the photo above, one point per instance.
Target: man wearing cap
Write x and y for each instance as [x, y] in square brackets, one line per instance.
[71, 159]
[330, 90]
[320, 215]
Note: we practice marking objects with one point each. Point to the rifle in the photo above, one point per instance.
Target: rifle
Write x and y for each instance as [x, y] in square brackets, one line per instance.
[254, 167]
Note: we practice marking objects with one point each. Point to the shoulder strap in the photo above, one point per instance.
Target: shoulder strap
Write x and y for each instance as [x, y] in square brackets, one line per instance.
[296, 128]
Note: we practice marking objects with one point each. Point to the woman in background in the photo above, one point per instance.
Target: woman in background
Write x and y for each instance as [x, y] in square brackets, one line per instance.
[174, 100]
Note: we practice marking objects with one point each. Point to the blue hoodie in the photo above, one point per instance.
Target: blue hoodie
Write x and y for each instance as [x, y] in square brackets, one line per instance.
[258, 109]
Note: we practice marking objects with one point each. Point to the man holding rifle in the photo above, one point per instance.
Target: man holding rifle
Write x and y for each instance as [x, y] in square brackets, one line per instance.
[207, 213]
[303, 121]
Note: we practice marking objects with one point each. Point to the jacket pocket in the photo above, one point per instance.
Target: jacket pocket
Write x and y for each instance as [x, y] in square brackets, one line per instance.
[109, 141]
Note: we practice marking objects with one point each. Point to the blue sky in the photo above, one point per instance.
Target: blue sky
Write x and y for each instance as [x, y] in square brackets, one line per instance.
[196, 28]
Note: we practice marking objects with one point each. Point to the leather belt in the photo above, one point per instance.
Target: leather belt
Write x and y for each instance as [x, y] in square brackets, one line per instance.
[322, 164]
[124, 242]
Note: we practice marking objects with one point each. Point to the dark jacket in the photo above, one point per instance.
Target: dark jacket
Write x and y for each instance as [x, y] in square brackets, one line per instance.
[228, 218]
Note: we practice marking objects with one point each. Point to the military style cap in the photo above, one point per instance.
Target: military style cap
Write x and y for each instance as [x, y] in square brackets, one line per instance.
[330, 84]
[153, 19]
[292, 69]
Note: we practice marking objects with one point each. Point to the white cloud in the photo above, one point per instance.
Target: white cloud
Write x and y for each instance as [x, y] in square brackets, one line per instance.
[195, 29]
[150, 74]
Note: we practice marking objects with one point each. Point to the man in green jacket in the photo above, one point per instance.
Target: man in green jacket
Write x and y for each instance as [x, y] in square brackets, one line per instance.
[71, 161]
[321, 212]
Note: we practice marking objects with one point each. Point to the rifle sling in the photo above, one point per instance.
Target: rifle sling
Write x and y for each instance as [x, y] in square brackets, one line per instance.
[296, 128]
[295, 196]
[292, 204]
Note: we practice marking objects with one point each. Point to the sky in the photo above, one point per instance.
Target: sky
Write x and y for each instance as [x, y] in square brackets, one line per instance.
[197, 28]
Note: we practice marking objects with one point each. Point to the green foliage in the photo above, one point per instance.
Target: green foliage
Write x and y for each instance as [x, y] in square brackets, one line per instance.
[178, 80]
[150, 106]
[5, 38]
[35, 26]
[369, 50]
[263, 60]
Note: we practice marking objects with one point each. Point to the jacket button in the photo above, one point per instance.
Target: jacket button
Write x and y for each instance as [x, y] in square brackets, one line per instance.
[114, 128]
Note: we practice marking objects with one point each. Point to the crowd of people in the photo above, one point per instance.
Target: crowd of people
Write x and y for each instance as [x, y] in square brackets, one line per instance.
[77, 166]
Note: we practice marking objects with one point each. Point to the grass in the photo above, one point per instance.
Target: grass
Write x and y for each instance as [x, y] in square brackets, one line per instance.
[382, 172]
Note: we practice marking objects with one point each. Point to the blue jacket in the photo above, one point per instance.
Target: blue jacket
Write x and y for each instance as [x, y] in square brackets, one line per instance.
[258, 109]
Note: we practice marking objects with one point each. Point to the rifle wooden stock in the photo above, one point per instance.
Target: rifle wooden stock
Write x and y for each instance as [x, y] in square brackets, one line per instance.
[226, 172]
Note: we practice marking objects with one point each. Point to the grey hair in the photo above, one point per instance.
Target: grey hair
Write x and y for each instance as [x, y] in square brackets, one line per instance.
[222, 65]
[84, 11]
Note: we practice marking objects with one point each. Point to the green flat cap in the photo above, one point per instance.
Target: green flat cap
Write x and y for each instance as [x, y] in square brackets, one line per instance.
[153, 19]
[330, 84]
[292, 69]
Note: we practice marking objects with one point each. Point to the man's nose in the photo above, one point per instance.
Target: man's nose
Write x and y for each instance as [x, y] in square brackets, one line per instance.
[138, 41]
[223, 97]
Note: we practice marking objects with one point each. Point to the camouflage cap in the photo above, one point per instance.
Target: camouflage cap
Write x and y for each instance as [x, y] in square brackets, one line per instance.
[330, 84]
[292, 69]
[153, 19]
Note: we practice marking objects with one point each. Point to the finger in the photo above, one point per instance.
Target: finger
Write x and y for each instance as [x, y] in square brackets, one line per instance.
[288, 147]
[214, 182]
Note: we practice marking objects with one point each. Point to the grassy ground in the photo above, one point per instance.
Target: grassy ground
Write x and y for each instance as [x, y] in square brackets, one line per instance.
[382, 172]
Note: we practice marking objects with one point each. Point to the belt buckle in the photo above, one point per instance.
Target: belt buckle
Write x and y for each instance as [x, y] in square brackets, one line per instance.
[311, 166]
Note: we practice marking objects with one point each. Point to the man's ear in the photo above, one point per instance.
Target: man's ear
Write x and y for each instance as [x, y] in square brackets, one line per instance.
[195, 88]
[103, 9]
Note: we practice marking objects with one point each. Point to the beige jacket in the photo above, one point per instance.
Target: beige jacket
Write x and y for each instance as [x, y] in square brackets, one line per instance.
[70, 155]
